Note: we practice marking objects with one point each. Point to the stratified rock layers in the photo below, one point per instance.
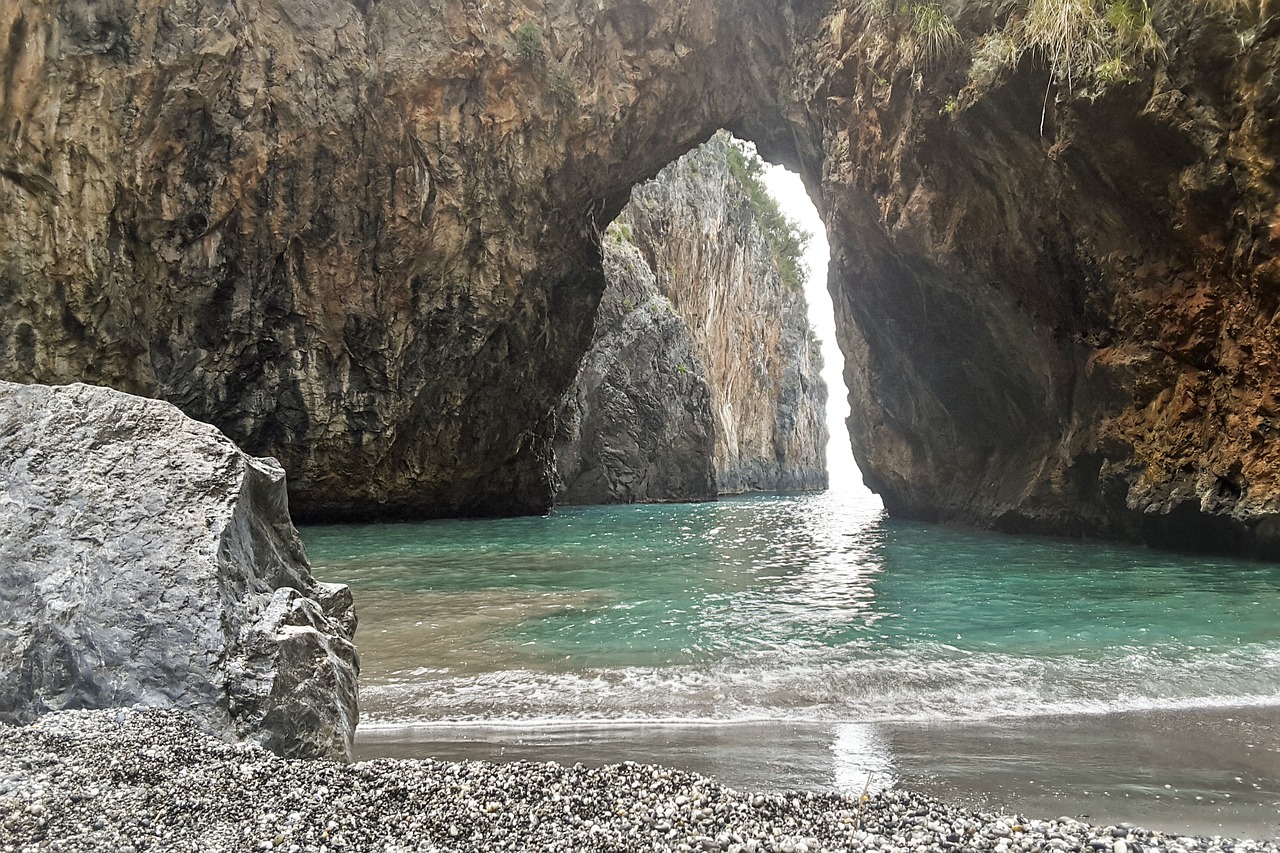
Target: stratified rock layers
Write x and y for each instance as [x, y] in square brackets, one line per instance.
[362, 238]
[703, 377]
[145, 560]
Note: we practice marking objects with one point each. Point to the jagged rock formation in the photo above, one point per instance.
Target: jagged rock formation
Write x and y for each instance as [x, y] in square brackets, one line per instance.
[145, 560]
[636, 426]
[703, 378]
[713, 259]
[360, 237]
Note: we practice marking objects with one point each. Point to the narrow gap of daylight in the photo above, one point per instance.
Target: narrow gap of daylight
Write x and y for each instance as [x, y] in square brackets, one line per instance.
[787, 188]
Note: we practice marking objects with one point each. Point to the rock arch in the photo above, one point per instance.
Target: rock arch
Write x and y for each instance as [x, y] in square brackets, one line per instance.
[361, 238]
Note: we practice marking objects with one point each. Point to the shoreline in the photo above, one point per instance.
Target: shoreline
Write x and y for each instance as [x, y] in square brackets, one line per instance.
[148, 780]
[1202, 771]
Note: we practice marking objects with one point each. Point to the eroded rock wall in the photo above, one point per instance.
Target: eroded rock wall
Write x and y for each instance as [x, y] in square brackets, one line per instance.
[145, 560]
[704, 375]
[636, 425]
[362, 238]
[358, 237]
[1058, 301]
[712, 258]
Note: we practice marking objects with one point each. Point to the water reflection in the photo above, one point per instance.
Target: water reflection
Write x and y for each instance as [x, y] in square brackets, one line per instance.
[863, 758]
[811, 607]
[1208, 772]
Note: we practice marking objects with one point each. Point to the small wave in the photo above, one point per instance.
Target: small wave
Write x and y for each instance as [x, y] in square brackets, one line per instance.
[942, 686]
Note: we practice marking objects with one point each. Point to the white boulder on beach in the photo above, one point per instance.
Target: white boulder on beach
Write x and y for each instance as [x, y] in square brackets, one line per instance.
[146, 561]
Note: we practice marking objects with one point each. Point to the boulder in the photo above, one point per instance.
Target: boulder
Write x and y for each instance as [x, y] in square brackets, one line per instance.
[637, 425]
[146, 560]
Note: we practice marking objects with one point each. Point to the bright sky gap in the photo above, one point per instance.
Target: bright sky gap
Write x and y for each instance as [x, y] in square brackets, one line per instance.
[787, 188]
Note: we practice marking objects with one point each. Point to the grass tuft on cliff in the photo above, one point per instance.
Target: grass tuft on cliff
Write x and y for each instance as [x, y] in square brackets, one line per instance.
[1085, 39]
[933, 32]
[1086, 45]
[786, 238]
[529, 46]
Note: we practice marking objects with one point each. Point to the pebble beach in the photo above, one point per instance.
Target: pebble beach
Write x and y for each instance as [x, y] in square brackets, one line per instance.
[150, 780]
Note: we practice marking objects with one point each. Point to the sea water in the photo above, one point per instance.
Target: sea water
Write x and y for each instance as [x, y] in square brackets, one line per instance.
[808, 641]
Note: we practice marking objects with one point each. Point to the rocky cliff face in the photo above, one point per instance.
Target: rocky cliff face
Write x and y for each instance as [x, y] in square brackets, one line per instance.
[1057, 297]
[636, 426]
[712, 256]
[704, 370]
[358, 237]
[144, 560]
[361, 237]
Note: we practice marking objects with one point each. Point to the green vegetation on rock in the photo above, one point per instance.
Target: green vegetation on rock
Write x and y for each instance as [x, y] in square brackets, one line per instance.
[932, 29]
[1086, 45]
[529, 44]
[786, 238]
[560, 82]
[620, 232]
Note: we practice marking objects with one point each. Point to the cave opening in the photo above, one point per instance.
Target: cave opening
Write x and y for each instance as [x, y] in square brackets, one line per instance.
[793, 199]
[714, 368]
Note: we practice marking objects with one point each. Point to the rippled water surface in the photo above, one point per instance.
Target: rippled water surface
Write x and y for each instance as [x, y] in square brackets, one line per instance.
[814, 613]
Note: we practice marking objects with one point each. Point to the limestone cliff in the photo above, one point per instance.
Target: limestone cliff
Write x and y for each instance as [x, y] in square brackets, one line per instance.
[361, 237]
[737, 394]
[636, 426]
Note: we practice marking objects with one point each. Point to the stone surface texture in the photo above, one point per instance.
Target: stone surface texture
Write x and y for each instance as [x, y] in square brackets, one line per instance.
[703, 377]
[145, 560]
[363, 238]
[636, 426]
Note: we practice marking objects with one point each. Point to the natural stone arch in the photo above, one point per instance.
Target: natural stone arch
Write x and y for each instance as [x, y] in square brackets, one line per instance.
[362, 239]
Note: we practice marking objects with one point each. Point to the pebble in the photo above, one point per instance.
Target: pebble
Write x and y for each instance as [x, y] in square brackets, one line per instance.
[149, 780]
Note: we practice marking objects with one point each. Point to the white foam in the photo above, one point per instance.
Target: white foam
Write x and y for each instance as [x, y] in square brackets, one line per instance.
[960, 686]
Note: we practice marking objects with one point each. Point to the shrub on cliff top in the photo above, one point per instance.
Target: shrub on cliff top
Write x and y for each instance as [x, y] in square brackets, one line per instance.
[787, 239]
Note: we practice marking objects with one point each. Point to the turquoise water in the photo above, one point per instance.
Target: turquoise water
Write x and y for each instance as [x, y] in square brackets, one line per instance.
[809, 642]
[800, 608]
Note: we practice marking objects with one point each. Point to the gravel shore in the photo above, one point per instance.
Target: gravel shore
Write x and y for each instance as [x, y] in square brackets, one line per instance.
[148, 780]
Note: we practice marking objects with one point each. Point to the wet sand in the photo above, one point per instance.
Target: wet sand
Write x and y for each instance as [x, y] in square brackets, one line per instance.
[1211, 772]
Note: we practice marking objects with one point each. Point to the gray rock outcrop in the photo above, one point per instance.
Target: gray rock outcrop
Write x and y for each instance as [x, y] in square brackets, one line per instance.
[637, 424]
[146, 560]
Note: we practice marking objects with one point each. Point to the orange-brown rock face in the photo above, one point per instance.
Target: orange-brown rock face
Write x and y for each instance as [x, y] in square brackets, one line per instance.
[363, 238]
[1059, 312]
